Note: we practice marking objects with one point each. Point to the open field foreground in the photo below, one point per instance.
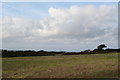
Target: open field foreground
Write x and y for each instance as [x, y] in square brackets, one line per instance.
[62, 66]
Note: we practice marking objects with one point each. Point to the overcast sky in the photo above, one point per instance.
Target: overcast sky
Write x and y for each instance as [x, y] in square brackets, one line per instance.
[59, 26]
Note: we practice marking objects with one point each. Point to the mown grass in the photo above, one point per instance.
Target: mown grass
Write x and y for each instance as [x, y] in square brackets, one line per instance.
[64, 66]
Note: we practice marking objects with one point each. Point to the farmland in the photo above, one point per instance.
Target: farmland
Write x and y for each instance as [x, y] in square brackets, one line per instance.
[62, 66]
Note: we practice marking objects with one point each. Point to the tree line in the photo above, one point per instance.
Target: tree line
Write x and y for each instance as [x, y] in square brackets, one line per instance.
[99, 50]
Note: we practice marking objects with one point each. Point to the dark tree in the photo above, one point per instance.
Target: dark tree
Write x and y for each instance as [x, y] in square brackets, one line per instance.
[88, 50]
[100, 47]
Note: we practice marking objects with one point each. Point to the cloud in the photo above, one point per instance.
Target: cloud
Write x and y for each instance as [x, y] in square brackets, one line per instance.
[76, 23]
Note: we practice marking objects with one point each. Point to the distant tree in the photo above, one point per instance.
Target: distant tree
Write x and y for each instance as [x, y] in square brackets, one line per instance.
[101, 46]
[41, 51]
[88, 50]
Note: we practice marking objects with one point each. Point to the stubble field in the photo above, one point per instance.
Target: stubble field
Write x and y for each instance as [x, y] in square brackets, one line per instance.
[62, 66]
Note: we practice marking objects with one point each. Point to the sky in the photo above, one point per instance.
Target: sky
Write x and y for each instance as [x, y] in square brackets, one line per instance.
[59, 26]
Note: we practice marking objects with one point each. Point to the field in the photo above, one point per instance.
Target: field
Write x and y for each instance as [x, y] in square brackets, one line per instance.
[62, 66]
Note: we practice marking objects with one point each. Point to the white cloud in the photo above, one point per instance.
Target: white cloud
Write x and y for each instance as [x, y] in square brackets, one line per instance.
[77, 23]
